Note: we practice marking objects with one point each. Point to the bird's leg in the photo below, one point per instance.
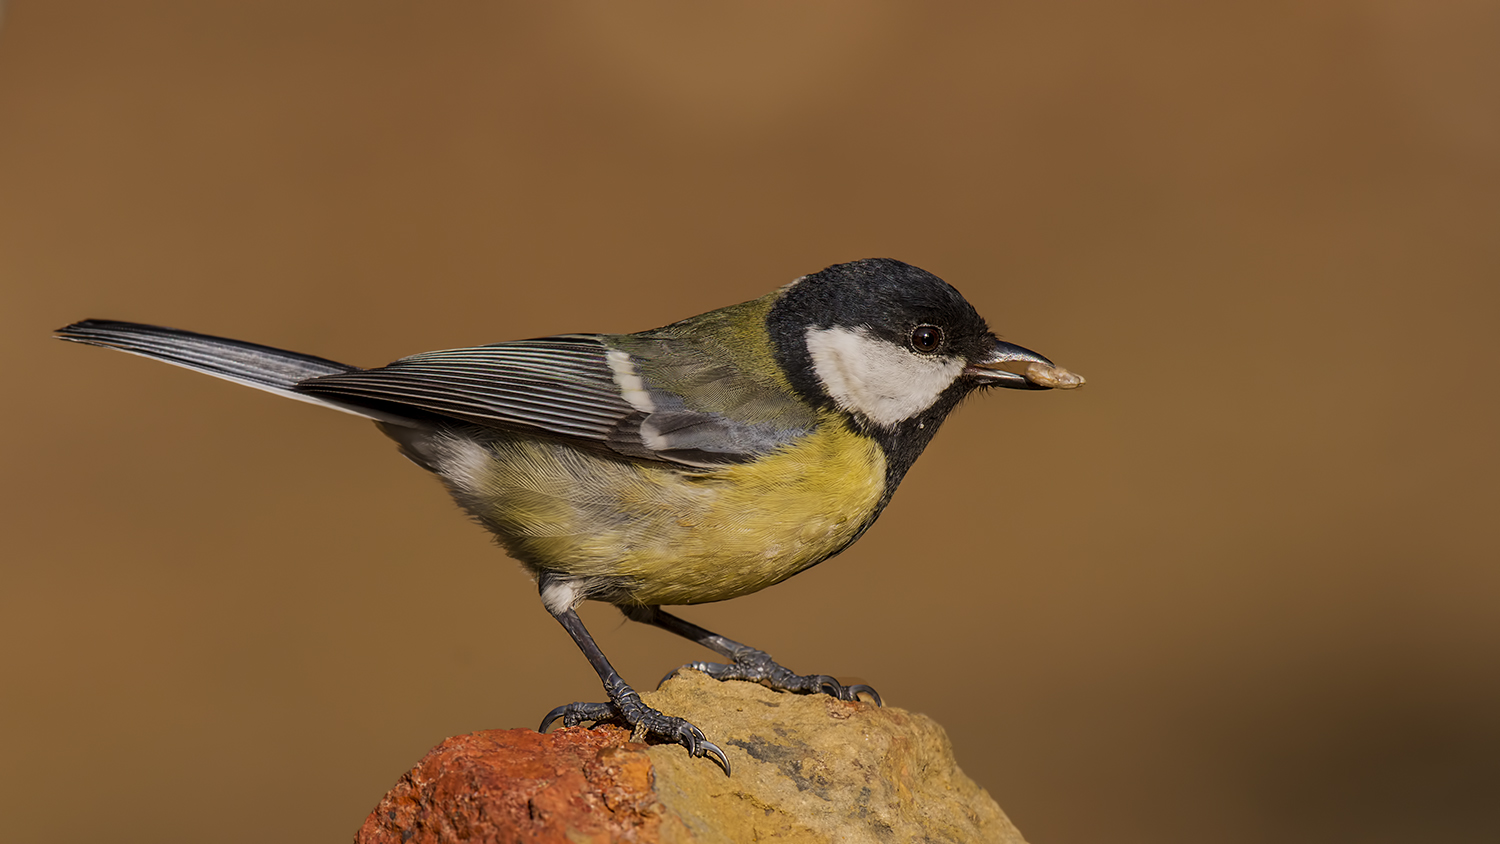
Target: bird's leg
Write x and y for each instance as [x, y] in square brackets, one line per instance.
[746, 663]
[624, 703]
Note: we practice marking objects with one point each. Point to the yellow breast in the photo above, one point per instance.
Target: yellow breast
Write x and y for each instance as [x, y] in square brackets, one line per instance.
[652, 533]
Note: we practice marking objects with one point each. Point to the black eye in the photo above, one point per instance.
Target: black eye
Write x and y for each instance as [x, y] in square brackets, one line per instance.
[926, 338]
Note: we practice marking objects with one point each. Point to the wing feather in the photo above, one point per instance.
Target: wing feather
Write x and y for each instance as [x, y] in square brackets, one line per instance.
[557, 385]
[562, 386]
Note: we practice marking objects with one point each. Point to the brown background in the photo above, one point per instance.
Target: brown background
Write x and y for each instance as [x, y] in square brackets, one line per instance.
[1243, 587]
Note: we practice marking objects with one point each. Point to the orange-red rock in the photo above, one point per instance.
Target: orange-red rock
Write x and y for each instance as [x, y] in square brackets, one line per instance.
[573, 785]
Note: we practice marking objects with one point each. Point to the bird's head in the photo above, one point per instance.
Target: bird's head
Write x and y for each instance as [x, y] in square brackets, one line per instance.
[895, 347]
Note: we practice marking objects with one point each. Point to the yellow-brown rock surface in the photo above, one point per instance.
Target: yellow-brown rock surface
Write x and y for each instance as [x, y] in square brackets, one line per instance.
[806, 769]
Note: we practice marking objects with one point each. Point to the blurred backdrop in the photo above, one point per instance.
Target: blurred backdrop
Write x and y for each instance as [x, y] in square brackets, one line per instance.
[1242, 587]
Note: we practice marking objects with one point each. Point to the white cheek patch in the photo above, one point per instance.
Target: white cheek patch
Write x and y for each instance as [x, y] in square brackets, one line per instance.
[879, 380]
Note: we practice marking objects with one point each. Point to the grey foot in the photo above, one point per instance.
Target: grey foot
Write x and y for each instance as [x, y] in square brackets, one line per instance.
[758, 667]
[644, 722]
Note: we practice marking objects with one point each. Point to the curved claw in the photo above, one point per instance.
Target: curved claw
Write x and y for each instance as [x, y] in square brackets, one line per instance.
[553, 716]
[573, 714]
[832, 687]
[708, 748]
[828, 685]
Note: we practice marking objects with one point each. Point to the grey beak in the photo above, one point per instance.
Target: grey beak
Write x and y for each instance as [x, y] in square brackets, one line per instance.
[1009, 365]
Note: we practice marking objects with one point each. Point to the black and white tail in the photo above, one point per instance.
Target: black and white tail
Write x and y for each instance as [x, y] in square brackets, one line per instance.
[262, 367]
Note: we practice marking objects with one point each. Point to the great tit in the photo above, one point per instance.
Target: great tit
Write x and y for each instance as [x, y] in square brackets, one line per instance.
[692, 463]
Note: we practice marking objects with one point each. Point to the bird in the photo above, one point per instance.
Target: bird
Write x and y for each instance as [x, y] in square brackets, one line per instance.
[697, 462]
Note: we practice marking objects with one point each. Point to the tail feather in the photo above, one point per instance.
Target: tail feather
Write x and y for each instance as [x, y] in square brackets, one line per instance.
[262, 367]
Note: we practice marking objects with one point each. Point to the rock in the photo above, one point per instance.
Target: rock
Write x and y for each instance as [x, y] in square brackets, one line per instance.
[569, 786]
[806, 769]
